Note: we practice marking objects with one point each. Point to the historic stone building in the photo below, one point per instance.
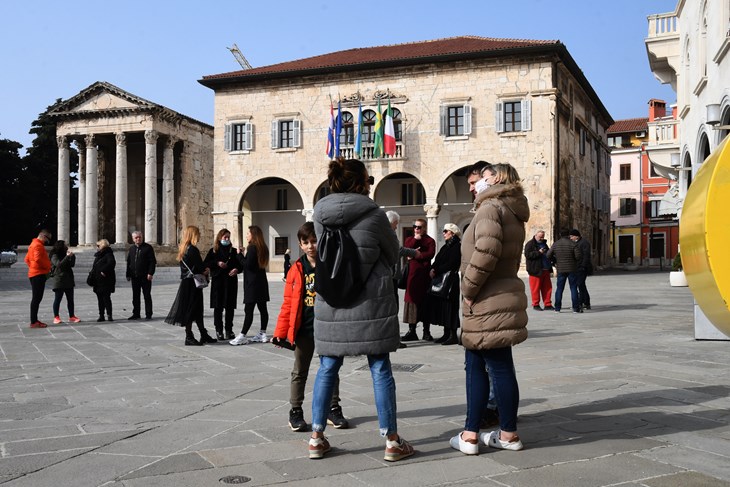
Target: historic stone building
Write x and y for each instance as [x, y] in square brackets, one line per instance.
[142, 167]
[454, 101]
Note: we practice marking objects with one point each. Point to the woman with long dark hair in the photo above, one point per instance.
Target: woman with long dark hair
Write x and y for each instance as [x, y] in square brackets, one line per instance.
[63, 261]
[255, 286]
[188, 304]
[494, 316]
[222, 260]
[105, 278]
[369, 325]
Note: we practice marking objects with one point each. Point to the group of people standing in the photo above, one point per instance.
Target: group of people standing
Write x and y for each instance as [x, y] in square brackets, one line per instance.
[571, 254]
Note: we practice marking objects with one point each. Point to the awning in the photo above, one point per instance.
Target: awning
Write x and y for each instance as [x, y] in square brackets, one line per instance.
[671, 203]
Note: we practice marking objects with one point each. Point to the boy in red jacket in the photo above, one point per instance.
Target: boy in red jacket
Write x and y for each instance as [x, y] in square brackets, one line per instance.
[296, 325]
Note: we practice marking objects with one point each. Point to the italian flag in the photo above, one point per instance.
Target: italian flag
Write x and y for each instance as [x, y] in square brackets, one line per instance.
[389, 141]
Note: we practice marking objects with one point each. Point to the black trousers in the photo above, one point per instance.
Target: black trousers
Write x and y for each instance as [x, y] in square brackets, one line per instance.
[104, 300]
[248, 315]
[145, 285]
[218, 318]
[38, 286]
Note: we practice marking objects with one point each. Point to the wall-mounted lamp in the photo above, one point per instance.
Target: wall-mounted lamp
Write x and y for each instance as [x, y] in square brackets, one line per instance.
[713, 114]
[674, 160]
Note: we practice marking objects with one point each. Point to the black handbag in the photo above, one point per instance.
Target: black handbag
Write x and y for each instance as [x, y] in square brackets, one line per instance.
[91, 279]
[403, 281]
[441, 284]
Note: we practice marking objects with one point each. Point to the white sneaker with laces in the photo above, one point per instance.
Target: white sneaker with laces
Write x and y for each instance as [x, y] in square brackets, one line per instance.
[260, 337]
[241, 339]
[465, 447]
[492, 439]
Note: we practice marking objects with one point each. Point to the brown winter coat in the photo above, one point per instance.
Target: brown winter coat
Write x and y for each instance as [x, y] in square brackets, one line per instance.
[491, 251]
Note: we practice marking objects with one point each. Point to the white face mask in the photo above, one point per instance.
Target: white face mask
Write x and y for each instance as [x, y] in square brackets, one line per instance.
[225, 243]
[481, 185]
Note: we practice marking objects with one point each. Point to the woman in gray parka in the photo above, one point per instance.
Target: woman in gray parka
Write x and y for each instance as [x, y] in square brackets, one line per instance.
[369, 326]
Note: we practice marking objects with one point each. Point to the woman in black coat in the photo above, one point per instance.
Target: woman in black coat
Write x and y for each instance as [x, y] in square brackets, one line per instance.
[105, 278]
[255, 285]
[445, 311]
[222, 260]
[188, 304]
[63, 261]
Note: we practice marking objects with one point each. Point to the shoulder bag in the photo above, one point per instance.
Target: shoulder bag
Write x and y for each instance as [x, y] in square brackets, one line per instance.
[441, 284]
[201, 280]
[403, 281]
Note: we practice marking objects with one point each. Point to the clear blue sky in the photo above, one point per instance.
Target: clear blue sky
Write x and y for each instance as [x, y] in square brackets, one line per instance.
[159, 49]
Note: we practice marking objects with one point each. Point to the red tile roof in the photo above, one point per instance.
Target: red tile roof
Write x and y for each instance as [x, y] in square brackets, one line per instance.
[628, 125]
[397, 53]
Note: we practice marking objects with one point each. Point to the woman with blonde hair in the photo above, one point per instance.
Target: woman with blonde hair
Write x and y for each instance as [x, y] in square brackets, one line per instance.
[255, 286]
[188, 305]
[494, 316]
[104, 278]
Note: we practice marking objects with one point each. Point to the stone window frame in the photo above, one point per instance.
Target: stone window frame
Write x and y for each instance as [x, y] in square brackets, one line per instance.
[230, 135]
[296, 131]
[446, 106]
[501, 125]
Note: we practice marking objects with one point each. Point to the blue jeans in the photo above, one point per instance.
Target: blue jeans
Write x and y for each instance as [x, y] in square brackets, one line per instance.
[580, 282]
[383, 385]
[506, 390]
[573, 283]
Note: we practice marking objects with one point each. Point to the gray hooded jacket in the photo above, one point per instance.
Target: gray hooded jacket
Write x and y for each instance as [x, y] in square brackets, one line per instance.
[369, 326]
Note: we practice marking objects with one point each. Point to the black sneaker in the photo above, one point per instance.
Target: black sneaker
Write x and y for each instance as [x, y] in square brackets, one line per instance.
[296, 420]
[409, 337]
[336, 419]
[537, 308]
[134, 317]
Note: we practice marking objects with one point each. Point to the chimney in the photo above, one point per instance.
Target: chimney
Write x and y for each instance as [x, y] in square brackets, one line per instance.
[657, 109]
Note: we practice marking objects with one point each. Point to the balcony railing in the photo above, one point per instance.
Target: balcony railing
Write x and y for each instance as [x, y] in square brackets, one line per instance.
[663, 132]
[661, 25]
[348, 152]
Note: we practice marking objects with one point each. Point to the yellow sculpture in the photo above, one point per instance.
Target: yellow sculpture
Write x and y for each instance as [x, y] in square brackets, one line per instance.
[704, 237]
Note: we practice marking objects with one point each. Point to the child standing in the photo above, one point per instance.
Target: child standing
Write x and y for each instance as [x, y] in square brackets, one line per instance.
[296, 324]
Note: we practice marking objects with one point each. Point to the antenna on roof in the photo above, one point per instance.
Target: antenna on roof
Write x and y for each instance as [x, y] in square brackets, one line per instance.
[239, 57]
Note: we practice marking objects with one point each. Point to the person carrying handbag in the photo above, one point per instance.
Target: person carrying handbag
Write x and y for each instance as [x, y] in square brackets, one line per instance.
[444, 303]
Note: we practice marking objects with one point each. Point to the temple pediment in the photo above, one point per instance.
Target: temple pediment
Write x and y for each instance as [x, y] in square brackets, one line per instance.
[103, 101]
[102, 97]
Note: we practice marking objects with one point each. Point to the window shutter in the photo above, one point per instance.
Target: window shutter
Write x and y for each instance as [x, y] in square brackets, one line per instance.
[499, 117]
[274, 134]
[442, 120]
[526, 115]
[249, 136]
[467, 119]
[296, 133]
[227, 137]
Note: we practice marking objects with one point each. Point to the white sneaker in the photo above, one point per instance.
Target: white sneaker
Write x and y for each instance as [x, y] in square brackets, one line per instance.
[492, 439]
[241, 339]
[465, 447]
[260, 337]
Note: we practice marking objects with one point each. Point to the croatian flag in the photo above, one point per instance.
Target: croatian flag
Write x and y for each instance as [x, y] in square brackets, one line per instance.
[331, 133]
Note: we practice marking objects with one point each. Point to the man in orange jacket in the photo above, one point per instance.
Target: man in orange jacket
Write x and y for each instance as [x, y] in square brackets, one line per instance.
[39, 265]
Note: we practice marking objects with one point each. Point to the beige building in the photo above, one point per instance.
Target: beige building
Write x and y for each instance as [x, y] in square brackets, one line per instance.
[454, 102]
[142, 167]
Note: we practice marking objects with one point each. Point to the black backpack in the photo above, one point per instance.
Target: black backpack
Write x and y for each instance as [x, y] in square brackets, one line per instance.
[337, 274]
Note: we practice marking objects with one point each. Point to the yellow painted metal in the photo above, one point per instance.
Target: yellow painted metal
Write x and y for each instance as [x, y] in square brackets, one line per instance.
[704, 237]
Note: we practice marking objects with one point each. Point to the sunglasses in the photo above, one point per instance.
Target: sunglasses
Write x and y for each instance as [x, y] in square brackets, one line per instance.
[418, 227]
[371, 180]
[446, 231]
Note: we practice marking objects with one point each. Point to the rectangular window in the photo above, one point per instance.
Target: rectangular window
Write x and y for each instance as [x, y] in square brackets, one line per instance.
[651, 209]
[625, 172]
[582, 148]
[238, 136]
[412, 194]
[285, 133]
[513, 116]
[280, 245]
[627, 206]
[281, 199]
[455, 120]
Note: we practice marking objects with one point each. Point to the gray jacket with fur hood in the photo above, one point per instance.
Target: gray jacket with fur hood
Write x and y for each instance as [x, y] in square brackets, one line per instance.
[370, 325]
[491, 251]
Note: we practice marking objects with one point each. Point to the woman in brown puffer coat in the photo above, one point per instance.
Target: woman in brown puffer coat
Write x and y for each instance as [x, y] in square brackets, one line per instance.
[494, 316]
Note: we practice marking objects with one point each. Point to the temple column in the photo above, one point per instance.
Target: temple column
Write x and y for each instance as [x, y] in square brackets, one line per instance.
[64, 191]
[168, 193]
[121, 216]
[92, 191]
[81, 209]
[432, 214]
[150, 187]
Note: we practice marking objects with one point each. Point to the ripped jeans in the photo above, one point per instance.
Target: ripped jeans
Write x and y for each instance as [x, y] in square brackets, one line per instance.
[383, 386]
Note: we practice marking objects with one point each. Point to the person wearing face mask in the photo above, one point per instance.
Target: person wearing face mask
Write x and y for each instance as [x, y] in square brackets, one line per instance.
[39, 265]
[224, 267]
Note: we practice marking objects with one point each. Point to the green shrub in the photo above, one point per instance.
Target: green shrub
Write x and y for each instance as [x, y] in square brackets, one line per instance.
[677, 263]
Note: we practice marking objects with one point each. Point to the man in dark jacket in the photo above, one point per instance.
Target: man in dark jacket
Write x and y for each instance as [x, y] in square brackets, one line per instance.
[141, 263]
[585, 268]
[566, 255]
[539, 268]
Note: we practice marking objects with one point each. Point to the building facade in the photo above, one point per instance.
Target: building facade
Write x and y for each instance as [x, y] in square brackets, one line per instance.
[453, 101]
[141, 167]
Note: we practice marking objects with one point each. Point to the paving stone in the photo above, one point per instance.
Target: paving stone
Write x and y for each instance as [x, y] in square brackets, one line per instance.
[173, 464]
